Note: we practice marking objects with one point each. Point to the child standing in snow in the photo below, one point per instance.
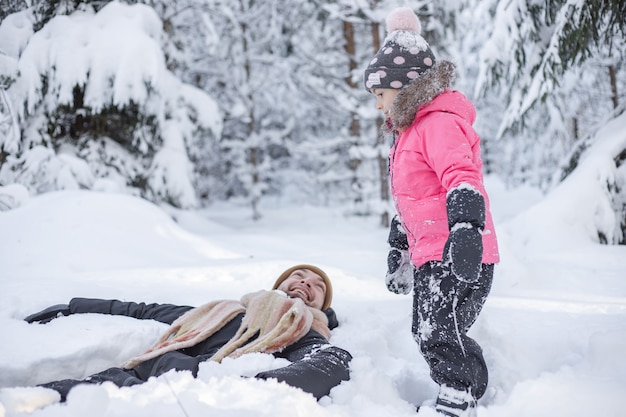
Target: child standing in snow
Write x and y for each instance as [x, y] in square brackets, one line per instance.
[443, 242]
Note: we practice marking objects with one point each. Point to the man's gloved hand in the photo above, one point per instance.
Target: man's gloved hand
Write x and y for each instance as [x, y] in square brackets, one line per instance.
[399, 278]
[466, 219]
[49, 314]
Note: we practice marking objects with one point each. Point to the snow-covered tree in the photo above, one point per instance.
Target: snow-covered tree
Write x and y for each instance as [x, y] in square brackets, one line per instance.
[559, 69]
[97, 106]
[357, 37]
[279, 70]
[117, 95]
[547, 60]
[534, 43]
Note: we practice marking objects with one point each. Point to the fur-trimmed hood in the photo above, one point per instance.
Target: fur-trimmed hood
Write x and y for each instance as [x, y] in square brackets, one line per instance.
[419, 92]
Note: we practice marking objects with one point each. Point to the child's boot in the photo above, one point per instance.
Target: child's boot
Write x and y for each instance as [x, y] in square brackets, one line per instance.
[452, 402]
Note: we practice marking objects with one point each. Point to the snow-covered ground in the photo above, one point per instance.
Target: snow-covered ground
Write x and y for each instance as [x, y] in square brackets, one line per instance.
[553, 330]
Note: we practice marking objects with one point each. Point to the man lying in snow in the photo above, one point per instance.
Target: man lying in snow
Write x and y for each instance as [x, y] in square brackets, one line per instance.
[293, 322]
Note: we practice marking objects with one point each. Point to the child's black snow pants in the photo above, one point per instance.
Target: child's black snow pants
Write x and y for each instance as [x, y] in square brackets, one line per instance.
[444, 309]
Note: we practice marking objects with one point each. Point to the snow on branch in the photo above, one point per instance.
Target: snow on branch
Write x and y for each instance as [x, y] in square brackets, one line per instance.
[105, 68]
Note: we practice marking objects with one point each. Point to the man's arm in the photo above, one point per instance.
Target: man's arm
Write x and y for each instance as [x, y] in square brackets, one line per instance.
[165, 313]
[317, 366]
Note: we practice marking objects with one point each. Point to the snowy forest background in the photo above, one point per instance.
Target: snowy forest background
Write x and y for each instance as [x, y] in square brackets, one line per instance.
[192, 102]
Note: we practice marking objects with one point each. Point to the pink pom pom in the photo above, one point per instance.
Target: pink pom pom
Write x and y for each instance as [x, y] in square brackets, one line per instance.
[403, 18]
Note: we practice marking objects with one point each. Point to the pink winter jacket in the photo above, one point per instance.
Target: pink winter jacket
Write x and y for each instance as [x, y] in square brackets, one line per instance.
[437, 152]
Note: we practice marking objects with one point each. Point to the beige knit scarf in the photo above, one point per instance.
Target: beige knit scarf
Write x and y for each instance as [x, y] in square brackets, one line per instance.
[278, 320]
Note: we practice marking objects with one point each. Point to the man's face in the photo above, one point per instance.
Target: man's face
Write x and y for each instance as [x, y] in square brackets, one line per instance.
[306, 285]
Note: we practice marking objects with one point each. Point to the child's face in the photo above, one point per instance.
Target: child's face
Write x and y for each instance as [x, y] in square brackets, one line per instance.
[384, 99]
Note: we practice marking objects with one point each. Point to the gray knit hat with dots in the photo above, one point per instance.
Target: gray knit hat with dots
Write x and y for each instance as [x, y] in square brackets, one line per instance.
[404, 56]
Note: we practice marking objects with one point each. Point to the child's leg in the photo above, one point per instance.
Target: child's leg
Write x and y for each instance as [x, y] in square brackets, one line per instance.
[444, 309]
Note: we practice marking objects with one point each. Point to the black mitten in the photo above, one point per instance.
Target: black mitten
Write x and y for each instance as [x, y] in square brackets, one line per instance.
[332, 318]
[399, 277]
[466, 219]
[49, 314]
